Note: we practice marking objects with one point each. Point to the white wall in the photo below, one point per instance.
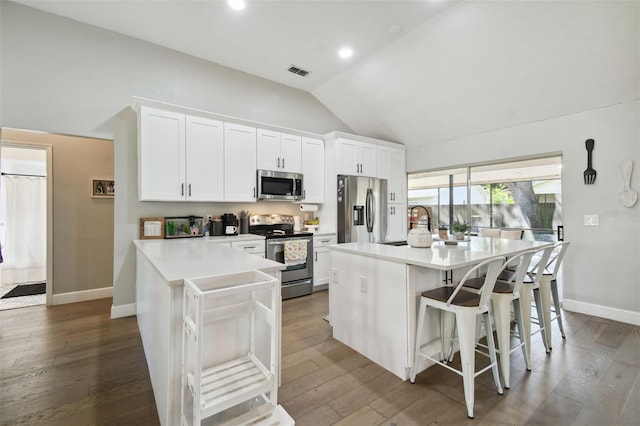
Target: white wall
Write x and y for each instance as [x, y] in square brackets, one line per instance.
[493, 80]
[61, 76]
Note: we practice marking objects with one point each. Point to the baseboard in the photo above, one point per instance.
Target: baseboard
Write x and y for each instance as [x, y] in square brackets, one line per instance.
[122, 311]
[82, 296]
[320, 287]
[615, 314]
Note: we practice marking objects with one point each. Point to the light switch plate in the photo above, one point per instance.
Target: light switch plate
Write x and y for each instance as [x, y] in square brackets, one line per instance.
[363, 284]
[591, 220]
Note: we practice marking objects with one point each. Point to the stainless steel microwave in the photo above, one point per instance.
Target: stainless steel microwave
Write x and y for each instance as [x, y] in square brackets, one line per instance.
[279, 185]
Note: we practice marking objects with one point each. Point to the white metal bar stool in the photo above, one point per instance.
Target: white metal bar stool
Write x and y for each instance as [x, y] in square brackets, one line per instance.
[549, 287]
[506, 293]
[462, 306]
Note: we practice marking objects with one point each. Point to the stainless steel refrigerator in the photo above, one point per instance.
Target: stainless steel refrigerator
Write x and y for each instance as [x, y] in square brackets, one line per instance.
[362, 209]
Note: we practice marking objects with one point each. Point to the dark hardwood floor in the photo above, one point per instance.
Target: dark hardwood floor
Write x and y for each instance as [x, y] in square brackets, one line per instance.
[72, 365]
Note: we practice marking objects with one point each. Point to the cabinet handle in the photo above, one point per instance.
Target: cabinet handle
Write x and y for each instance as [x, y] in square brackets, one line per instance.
[189, 190]
[324, 241]
[182, 190]
[250, 247]
[278, 162]
[254, 192]
[283, 162]
[304, 193]
[316, 256]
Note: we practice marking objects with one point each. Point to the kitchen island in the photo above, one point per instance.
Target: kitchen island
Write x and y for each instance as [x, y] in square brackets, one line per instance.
[161, 268]
[374, 292]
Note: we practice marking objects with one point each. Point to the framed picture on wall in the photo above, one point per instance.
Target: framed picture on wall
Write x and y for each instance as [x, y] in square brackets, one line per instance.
[103, 188]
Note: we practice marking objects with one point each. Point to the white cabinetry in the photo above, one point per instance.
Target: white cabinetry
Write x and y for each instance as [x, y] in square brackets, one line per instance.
[180, 157]
[322, 259]
[161, 155]
[279, 151]
[313, 169]
[239, 162]
[391, 163]
[205, 165]
[396, 222]
[357, 158]
[255, 247]
[391, 166]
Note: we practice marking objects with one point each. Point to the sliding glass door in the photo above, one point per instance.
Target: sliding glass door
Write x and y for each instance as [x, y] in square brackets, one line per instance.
[523, 194]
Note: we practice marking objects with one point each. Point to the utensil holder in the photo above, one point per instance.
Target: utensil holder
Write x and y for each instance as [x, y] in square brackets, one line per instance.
[244, 226]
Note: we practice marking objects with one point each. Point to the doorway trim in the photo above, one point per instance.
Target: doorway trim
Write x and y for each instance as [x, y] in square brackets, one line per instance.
[49, 160]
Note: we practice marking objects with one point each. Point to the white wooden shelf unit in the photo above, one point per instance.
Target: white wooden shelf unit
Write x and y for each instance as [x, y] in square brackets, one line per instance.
[230, 347]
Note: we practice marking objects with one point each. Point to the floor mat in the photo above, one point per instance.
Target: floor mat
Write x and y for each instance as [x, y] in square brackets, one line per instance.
[27, 290]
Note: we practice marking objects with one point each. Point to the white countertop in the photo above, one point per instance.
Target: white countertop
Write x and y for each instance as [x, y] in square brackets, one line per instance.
[442, 256]
[178, 259]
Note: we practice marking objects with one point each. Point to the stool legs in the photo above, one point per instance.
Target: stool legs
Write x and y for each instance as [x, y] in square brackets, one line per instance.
[418, 343]
[542, 317]
[502, 312]
[521, 334]
[545, 296]
[556, 304]
[466, 340]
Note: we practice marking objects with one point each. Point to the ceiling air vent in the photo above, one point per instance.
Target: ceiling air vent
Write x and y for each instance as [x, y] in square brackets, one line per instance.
[298, 71]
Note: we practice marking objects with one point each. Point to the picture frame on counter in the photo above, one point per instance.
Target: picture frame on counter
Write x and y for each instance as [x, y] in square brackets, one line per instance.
[103, 188]
[151, 228]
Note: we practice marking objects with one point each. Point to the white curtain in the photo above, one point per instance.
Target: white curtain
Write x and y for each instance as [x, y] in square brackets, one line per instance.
[23, 211]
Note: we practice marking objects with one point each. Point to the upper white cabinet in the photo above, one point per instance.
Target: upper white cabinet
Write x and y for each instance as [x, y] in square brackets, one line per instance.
[180, 157]
[392, 166]
[205, 159]
[313, 169]
[239, 162]
[357, 158]
[278, 151]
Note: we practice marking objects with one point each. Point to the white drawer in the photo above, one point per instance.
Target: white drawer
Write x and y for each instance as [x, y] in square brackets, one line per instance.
[252, 246]
[325, 240]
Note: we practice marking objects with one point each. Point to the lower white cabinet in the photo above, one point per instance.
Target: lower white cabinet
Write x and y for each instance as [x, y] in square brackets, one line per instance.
[396, 222]
[322, 259]
[255, 247]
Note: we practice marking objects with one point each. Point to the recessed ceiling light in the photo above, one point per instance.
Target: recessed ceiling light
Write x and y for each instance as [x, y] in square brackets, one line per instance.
[345, 52]
[395, 29]
[236, 4]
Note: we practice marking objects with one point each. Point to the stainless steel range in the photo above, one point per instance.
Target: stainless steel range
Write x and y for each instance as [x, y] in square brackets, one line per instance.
[293, 248]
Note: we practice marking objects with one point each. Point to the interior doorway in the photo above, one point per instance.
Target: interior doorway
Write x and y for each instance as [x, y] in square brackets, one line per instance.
[24, 219]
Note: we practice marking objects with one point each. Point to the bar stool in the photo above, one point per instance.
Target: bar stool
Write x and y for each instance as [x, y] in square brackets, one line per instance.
[549, 287]
[507, 293]
[463, 307]
[530, 285]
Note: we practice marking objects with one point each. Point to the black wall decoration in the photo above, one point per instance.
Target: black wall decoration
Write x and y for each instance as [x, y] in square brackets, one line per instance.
[589, 173]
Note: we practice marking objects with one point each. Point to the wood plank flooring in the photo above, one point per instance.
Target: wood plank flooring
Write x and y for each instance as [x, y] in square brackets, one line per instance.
[73, 365]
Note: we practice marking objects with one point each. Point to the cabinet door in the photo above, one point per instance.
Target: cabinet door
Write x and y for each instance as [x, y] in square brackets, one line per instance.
[368, 160]
[239, 162]
[321, 266]
[290, 153]
[313, 170]
[268, 150]
[347, 161]
[161, 156]
[396, 222]
[391, 166]
[205, 159]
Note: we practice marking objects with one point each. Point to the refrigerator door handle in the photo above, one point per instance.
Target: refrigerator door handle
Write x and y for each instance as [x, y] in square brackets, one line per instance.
[369, 210]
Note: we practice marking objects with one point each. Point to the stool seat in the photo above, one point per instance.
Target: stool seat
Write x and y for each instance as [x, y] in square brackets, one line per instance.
[463, 298]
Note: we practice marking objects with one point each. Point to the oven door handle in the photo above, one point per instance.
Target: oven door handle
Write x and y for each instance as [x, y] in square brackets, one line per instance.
[281, 241]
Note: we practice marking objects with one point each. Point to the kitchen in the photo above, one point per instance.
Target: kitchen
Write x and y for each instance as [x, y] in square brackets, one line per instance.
[462, 130]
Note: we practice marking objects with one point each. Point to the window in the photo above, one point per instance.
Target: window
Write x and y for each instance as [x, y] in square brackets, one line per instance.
[522, 194]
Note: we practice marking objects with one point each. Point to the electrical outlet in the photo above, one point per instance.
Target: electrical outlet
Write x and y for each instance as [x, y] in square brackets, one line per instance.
[334, 275]
[591, 220]
[209, 217]
[363, 284]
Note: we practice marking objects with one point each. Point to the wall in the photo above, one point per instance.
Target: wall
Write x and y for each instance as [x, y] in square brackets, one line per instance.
[83, 226]
[61, 76]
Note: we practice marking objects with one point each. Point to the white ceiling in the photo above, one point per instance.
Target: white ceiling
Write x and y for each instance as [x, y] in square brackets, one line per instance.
[266, 38]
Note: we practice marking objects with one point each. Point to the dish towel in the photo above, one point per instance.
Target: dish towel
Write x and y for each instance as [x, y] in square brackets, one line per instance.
[295, 252]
